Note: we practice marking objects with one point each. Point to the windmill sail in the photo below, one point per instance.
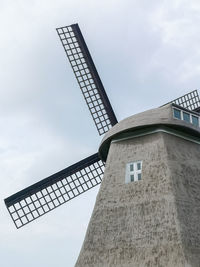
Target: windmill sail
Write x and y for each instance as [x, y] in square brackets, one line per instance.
[189, 101]
[53, 191]
[87, 77]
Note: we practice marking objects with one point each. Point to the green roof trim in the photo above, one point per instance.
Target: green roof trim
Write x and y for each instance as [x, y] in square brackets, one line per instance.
[177, 130]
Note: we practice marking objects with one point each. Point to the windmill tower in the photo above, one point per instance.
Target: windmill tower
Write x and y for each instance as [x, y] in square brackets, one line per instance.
[147, 210]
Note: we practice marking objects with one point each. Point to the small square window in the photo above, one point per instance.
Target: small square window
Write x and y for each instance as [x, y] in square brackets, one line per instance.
[177, 114]
[186, 116]
[195, 120]
[133, 171]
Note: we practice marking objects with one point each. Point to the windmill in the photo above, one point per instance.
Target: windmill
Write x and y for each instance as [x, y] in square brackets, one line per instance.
[61, 187]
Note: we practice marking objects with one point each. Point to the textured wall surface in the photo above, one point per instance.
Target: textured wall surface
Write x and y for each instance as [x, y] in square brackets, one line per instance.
[184, 164]
[152, 222]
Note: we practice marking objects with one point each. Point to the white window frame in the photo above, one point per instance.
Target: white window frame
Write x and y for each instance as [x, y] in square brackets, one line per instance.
[180, 112]
[190, 114]
[134, 172]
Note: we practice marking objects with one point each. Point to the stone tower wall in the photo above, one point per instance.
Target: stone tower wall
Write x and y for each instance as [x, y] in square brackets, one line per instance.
[145, 223]
[184, 164]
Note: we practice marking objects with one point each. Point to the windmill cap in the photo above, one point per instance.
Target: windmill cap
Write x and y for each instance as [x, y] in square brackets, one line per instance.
[148, 122]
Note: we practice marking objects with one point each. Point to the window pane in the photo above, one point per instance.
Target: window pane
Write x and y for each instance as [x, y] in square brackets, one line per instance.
[177, 113]
[195, 120]
[133, 171]
[186, 117]
[131, 167]
[138, 166]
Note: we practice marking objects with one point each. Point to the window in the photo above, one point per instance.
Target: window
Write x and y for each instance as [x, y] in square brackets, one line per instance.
[195, 120]
[139, 176]
[186, 116]
[177, 114]
[133, 171]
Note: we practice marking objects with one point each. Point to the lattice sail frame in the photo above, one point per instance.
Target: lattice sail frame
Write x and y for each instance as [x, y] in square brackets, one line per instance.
[189, 101]
[87, 77]
[46, 195]
[42, 197]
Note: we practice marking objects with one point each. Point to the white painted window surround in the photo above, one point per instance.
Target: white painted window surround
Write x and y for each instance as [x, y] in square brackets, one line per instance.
[186, 116]
[133, 171]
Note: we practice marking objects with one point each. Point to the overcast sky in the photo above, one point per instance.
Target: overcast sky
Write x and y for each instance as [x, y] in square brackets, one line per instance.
[146, 52]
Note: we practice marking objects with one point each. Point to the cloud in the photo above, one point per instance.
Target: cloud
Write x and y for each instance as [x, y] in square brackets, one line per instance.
[146, 52]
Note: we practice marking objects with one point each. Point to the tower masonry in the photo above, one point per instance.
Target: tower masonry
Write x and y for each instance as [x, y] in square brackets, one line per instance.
[147, 211]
